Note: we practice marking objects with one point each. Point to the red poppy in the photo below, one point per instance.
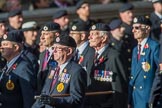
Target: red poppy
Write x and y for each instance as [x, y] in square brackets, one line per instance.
[14, 66]
[101, 59]
[146, 46]
[80, 59]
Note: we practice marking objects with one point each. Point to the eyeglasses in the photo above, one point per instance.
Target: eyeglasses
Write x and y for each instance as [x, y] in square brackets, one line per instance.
[136, 27]
[139, 27]
[55, 48]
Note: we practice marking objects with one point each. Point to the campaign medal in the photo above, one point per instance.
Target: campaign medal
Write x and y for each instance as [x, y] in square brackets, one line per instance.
[60, 87]
[10, 85]
[51, 74]
[145, 66]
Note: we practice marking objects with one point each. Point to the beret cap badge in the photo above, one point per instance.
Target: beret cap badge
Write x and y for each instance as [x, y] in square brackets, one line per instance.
[74, 27]
[135, 20]
[58, 39]
[93, 27]
[4, 36]
[45, 28]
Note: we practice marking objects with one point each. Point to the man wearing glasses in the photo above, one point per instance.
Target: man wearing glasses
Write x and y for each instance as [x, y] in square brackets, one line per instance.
[145, 62]
[68, 78]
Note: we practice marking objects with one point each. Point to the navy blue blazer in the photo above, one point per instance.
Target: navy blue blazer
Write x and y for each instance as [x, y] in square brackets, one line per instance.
[74, 84]
[20, 94]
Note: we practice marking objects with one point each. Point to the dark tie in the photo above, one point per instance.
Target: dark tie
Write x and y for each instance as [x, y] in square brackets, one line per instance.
[139, 51]
[55, 76]
[76, 55]
[95, 57]
[45, 60]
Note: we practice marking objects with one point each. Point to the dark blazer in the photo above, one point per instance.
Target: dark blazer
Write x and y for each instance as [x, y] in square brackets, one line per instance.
[75, 86]
[109, 73]
[143, 73]
[24, 86]
[85, 56]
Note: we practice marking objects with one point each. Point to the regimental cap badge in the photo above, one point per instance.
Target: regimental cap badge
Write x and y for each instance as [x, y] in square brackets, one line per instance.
[135, 20]
[74, 27]
[45, 28]
[58, 39]
[4, 36]
[93, 27]
[147, 17]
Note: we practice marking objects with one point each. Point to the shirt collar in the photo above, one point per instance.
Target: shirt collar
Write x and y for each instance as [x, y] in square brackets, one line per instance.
[82, 47]
[159, 15]
[143, 43]
[10, 63]
[101, 51]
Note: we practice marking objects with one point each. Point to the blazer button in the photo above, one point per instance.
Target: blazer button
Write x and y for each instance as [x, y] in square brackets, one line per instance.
[144, 76]
[134, 87]
[0, 104]
[141, 87]
[131, 77]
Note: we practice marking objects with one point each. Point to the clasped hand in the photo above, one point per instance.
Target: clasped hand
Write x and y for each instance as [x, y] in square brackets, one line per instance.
[46, 99]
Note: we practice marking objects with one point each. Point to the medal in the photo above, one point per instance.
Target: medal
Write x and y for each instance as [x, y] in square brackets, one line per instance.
[60, 87]
[51, 74]
[145, 66]
[10, 85]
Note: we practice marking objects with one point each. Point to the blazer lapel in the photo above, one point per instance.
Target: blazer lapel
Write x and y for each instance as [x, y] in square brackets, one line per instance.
[67, 67]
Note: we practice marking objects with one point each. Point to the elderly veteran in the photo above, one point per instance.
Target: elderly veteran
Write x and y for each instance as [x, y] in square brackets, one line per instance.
[30, 30]
[106, 71]
[79, 32]
[67, 78]
[17, 79]
[145, 60]
[49, 32]
[15, 19]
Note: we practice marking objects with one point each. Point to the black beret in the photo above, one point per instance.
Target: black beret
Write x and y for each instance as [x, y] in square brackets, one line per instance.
[31, 25]
[2, 20]
[100, 27]
[80, 3]
[142, 20]
[50, 26]
[125, 7]
[79, 26]
[59, 14]
[116, 23]
[155, 1]
[14, 36]
[65, 40]
[15, 12]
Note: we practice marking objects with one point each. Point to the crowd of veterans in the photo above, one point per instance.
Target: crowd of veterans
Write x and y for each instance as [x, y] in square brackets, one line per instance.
[82, 63]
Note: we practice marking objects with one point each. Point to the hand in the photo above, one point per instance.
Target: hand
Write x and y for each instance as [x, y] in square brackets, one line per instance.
[46, 99]
[129, 106]
[150, 105]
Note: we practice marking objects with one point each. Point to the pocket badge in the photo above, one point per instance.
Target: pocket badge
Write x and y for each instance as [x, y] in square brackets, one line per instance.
[145, 66]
